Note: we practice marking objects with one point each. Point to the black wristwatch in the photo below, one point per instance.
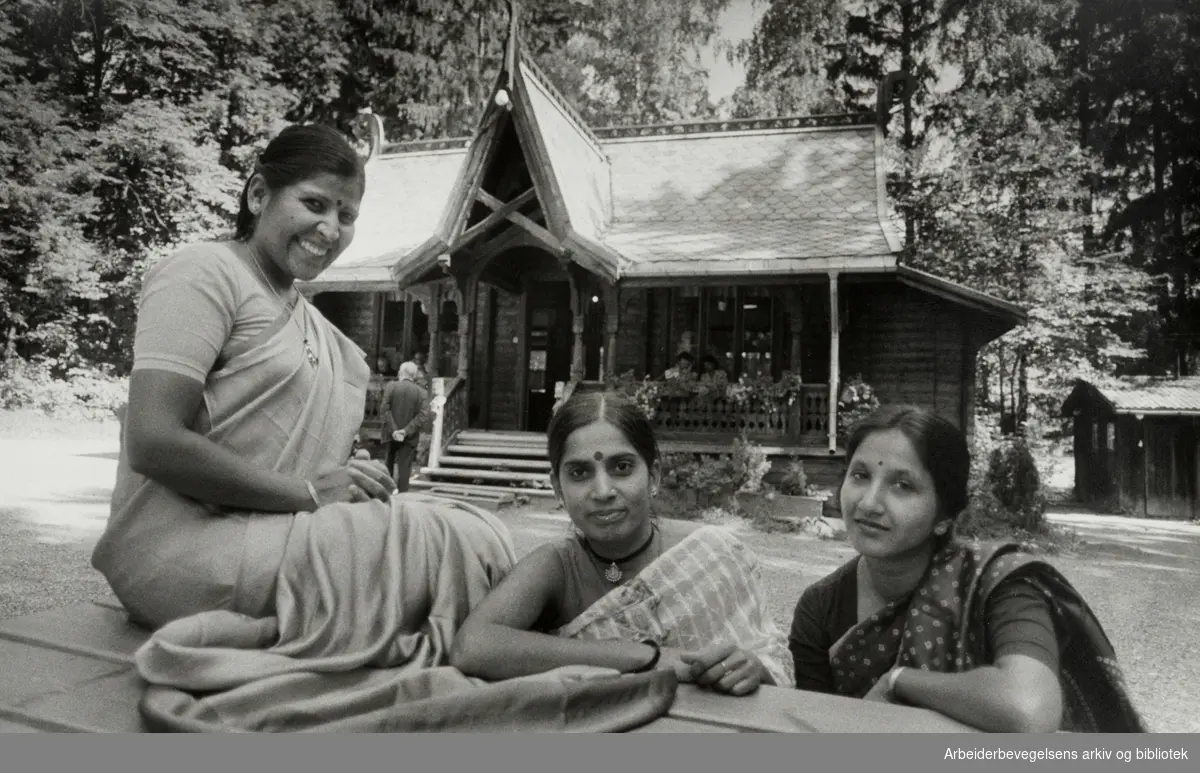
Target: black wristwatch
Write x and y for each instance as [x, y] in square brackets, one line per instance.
[653, 661]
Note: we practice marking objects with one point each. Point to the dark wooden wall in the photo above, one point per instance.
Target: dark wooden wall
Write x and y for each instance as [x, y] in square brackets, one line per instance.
[508, 361]
[1151, 471]
[911, 346]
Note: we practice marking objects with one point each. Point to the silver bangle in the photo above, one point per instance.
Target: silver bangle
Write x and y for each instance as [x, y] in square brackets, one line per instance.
[312, 492]
[895, 672]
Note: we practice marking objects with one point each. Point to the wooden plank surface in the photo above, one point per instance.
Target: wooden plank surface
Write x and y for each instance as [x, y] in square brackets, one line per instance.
[71, 670]
[95, 630]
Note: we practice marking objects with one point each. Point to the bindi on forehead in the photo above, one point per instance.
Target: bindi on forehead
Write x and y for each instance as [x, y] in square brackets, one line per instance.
[599, 457]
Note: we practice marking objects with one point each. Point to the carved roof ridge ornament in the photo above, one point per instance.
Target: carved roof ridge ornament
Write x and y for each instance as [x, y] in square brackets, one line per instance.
[719, 126]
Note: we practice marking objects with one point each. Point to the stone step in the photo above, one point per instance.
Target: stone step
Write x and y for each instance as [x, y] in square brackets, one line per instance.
[463, 474]
[462, 449]
[499, 442]
[436, 486]
[516, 435]
[537, 465]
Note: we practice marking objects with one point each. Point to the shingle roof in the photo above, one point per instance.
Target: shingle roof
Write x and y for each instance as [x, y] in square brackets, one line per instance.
[580, 166]
[782, 196]
[691, 199]
[1134, 394]
[756, 196]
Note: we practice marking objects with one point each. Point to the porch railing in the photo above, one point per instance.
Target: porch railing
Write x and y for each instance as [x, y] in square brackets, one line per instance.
[449, 407]
[805, 418]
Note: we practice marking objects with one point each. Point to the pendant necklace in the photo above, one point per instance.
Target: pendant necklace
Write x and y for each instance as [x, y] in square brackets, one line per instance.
[308, 350]
[614, 573]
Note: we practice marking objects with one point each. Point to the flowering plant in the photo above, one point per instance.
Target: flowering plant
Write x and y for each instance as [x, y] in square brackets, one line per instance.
[856, 402]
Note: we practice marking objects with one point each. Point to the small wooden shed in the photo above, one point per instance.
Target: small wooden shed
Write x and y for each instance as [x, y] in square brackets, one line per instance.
[1137, 445]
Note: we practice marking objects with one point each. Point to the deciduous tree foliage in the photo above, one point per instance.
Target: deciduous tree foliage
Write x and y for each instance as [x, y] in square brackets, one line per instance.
[127, 126]
[1048, 153]
[1053, 161]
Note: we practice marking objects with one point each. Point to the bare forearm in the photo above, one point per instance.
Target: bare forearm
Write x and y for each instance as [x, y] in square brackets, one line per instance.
[984, 697]
[196, 467]
[498, 652]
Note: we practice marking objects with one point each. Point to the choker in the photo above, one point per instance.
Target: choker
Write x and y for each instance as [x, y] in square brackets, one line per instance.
[613, 573]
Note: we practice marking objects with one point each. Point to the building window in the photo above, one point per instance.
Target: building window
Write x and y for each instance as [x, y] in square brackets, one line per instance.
[721, 328]
[1112, 436]
[758, 335]
[1095, 435]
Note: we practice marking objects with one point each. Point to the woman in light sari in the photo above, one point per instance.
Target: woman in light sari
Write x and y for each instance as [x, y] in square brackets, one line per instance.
[624, 592]
[243, 406]
[986, 634]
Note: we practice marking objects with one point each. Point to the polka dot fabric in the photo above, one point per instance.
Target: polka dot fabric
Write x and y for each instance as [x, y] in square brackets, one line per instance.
[941, 627]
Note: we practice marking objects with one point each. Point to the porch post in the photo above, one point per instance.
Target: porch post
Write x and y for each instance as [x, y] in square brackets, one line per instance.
[612, 326]
[796, 327]
[834, 359]
[435, 330]
[577, 310]
[406, 340]
[466, 322]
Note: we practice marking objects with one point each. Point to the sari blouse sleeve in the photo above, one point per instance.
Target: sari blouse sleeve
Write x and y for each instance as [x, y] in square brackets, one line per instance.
[186, 314]
[1019, 622]
[809, 640]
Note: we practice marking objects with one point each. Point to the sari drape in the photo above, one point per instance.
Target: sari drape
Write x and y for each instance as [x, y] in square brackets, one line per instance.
[704, 590]
[369, 599]
[167, 555]
[941, 627]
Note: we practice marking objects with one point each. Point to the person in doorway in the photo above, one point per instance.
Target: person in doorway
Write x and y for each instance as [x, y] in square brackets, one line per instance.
[383, 366]
[418, 359]
[405, 406]
[987, 634]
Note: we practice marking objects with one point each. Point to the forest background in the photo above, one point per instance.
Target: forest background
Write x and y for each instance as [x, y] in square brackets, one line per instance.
[1045, 151]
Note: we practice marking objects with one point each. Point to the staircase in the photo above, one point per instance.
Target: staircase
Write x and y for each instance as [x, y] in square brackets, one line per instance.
[492, 465]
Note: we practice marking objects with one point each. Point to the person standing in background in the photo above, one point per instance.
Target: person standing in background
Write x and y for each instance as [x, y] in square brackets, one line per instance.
[405, 405]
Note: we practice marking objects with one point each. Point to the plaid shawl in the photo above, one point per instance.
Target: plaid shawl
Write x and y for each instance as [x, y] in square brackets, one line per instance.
[703, 590]
[941, 627]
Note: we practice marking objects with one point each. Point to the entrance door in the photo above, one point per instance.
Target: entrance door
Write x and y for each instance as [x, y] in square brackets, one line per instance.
[550, 336]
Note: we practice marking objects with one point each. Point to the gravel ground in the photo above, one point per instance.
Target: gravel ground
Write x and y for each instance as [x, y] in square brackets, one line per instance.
[1140, 577]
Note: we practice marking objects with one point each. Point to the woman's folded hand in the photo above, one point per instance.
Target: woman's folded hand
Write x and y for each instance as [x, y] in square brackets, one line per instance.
[358, 481]
[726, 668]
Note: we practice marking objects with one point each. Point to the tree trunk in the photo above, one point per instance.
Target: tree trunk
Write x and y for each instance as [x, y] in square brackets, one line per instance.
[1022, 412]
[1083, 113]
[906, 65]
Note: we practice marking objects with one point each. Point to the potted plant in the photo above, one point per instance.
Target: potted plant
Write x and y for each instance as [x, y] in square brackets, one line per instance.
[794, 498]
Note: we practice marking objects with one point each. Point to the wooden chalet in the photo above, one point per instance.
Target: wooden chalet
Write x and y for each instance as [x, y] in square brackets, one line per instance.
[1137, 446]
[541, 255]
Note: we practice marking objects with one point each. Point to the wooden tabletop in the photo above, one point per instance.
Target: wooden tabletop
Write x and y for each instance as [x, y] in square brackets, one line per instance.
[71, 670]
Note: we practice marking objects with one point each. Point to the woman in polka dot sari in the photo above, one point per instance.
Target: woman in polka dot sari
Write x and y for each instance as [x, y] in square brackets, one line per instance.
[988, 635]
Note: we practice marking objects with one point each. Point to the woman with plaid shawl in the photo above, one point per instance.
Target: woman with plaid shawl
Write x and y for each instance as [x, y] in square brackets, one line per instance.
[623, 592]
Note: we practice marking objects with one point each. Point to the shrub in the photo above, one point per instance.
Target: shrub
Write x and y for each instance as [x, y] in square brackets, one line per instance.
[82, 393]
[1012, 479]
[714, 479]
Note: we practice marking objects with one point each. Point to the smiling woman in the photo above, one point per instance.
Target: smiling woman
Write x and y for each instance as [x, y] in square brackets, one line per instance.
[244, 401]
[977, 632]
[622, 593]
